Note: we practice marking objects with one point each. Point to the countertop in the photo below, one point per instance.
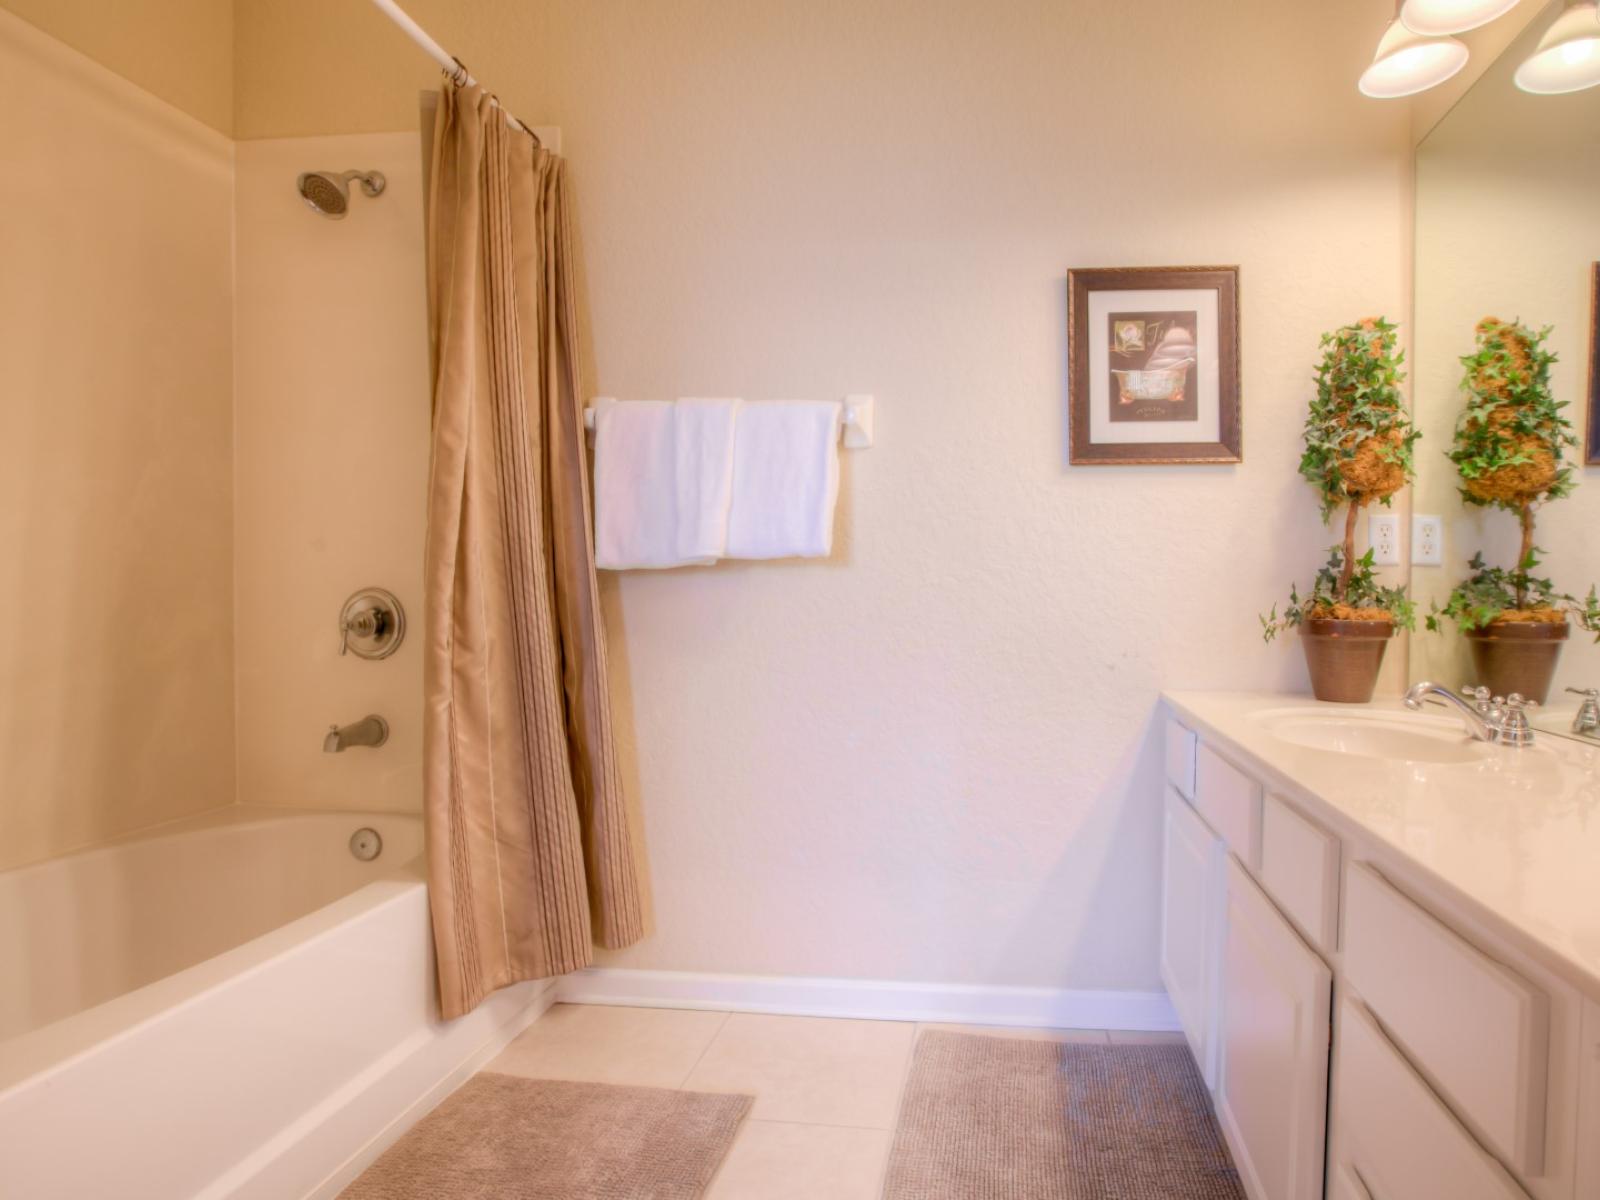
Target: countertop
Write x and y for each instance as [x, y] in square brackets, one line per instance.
[1515, 834]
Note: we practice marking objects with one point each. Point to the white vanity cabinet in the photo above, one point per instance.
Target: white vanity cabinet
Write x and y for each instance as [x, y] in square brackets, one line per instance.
[1365, 1034]
[1272, 1091]
[1191, 926]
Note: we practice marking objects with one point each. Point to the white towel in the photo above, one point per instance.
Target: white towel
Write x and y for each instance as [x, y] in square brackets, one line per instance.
[785, 479]
[703, 472]
[663, 477]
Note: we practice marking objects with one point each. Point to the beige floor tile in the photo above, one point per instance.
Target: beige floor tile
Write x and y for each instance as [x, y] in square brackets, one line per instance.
[593, 1043]
[810, 1070]
[1144, 1037]
[1093, 1037]
[774, 1160]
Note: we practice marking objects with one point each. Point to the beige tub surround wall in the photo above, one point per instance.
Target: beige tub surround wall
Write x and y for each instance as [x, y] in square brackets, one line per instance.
[331, 383]
[180, 51]
[116, 602]
[1506, 227]
[933, 756]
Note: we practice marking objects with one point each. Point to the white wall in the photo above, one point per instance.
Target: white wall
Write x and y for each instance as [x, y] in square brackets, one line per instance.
[932, 757]
[116, 676]
[332, 466]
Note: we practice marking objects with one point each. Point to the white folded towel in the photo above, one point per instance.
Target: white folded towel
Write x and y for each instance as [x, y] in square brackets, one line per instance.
[663, 476]
[703, 470]
[785, 479]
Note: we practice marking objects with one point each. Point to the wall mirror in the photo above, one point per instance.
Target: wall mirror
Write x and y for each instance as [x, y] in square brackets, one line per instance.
[1507, 227]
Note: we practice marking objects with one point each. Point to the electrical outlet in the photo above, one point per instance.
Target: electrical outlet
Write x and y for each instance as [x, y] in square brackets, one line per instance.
[1383, 536]
[1427, 541]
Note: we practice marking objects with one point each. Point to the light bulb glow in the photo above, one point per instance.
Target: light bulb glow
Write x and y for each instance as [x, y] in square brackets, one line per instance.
[1440, 18]
[1567, 58]
[1406, 63]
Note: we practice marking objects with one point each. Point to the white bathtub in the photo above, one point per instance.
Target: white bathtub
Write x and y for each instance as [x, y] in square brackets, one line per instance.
[233, 1006]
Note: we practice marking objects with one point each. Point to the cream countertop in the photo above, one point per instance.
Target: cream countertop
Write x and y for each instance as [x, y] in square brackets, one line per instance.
[1514, 834]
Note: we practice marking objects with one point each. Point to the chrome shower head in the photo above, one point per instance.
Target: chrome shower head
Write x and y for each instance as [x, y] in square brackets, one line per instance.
[328, 192]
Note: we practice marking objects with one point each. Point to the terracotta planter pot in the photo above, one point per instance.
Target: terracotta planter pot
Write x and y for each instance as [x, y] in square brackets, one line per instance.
[1517, 656]
[1344, 657]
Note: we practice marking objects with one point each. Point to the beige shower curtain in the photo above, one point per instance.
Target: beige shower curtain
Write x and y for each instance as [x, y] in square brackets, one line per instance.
[529, 854]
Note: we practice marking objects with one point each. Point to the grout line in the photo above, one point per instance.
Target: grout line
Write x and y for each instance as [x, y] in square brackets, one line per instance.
[704, 1050]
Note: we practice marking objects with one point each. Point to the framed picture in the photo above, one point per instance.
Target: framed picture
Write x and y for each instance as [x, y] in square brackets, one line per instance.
[1154, 365]
[1591, 441]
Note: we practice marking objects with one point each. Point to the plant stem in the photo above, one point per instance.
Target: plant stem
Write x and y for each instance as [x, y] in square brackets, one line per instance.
[1349, 568]
[1525, 515]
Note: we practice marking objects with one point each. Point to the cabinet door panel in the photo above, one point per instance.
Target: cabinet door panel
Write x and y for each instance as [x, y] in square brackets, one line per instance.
[1192, 858]
[1274, 1048]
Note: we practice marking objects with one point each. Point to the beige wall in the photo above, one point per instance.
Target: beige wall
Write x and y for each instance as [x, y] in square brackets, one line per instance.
[178, 50]
[332, 468]
[934, 756]
[1506, 227]
[116, 605]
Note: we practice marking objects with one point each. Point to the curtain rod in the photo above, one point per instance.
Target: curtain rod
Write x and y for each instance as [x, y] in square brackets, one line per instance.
[449, 63]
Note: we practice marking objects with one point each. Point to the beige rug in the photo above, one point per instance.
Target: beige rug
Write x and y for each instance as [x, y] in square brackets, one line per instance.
[503, 1137]
[987, 1118]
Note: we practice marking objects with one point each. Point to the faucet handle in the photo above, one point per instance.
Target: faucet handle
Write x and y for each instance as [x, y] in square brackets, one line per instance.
[1514, 727]
[1592, 693]
[1478, 695]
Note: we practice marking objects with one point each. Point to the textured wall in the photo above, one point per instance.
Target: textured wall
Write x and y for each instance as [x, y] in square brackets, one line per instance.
[1506, 227]
[933, 756]
[332, 468]
[179, 50]
[116, 598]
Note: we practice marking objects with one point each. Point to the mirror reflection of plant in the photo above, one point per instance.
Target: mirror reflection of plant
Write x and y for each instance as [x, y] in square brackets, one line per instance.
[1495, 594]
[1510, 437]
[1358, 450]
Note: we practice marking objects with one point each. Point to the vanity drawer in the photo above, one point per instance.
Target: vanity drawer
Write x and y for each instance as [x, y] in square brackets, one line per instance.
[1474, 1027]
[1300, 870]
[1397, 1141]
[1180, 758]
[1230, 801]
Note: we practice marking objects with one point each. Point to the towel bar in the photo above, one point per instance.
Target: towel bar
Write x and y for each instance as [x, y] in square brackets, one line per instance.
[855, 431]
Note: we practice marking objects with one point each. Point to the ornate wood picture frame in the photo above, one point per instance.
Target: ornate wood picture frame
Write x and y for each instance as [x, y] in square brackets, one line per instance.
[1153, 365]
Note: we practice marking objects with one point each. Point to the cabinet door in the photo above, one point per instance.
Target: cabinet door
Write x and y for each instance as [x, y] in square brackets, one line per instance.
[1190, 926]
[1275, 1003]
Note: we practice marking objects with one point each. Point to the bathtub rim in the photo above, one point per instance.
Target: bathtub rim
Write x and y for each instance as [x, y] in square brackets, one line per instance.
[61, 1043]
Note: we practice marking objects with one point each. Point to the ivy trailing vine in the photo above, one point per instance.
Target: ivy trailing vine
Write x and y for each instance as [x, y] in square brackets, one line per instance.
[1494, 594]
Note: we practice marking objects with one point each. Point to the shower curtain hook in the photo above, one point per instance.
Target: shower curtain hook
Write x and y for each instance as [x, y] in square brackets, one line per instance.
[460, 75]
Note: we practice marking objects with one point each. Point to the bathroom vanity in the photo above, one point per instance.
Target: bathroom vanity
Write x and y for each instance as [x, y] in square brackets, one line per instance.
[1382, 939]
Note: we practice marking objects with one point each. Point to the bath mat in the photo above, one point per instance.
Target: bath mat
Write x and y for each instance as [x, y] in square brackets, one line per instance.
[987, 1118]
[509, 1138]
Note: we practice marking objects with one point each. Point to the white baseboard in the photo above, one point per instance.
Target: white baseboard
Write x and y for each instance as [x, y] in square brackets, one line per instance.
[872, 999]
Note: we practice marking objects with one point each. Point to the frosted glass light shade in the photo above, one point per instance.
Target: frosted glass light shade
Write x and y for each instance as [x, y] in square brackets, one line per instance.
[1567, 58]
[1407, 63]
[1440, 18]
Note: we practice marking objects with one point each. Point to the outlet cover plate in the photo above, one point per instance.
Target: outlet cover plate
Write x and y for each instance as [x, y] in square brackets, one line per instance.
[1427, 540]
[1383, 536]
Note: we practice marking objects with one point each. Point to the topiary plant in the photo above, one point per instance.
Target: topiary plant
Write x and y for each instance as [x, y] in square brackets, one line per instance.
[1508, 448]
[1358, 450]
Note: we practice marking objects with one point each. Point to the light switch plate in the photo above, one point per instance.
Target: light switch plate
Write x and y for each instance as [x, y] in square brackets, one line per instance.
[1383, 535]
[1427, 541]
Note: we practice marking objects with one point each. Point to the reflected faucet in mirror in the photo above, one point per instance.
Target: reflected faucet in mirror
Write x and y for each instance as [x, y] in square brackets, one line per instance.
[369, 731]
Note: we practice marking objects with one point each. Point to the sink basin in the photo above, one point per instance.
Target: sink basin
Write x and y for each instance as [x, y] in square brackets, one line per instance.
[1395, 736]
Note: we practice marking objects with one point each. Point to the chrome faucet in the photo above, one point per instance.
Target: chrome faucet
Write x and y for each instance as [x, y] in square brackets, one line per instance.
[369, 731]
[1497, 719]
[1587, 720]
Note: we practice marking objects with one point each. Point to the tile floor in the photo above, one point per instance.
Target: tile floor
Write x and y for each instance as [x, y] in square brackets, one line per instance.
[826, 1090]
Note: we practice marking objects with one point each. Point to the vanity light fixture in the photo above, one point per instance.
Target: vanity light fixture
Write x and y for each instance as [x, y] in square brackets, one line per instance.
[1408, 62]
[1567, 58]
[1440, 18]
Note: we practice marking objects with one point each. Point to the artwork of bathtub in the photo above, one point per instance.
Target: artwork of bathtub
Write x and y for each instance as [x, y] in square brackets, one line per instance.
[234, 1005]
